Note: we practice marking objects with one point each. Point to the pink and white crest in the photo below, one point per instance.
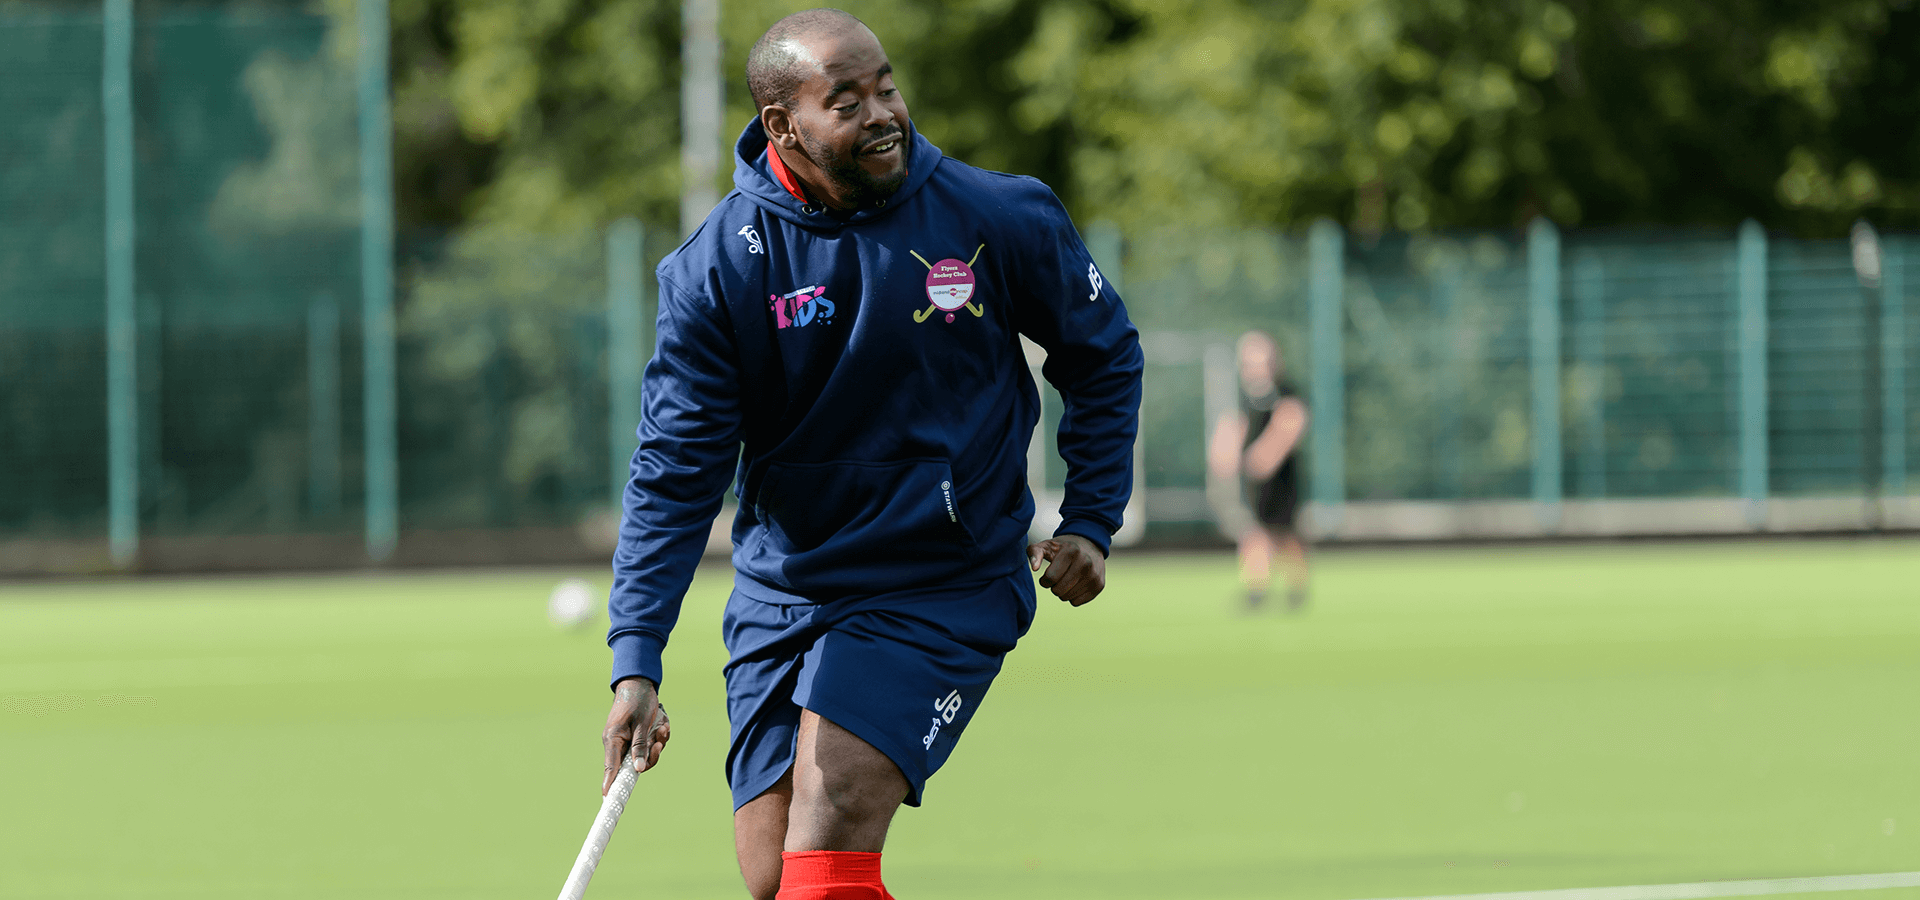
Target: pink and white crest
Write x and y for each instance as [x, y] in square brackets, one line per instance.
[950, 286]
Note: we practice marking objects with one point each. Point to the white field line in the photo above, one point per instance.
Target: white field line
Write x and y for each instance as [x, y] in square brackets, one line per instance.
[1699, 889]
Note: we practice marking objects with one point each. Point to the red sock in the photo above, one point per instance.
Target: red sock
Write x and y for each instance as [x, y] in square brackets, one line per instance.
[830, 875]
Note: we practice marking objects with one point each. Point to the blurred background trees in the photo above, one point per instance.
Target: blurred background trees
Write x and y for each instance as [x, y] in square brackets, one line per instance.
[1201, 125]
[1209, 131]
[1382, 114]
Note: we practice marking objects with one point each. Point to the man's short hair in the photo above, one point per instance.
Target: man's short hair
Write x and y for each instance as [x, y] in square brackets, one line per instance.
[777, 65]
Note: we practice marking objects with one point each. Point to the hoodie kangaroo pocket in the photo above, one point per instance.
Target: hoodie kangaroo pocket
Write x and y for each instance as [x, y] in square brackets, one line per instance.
[900, 506]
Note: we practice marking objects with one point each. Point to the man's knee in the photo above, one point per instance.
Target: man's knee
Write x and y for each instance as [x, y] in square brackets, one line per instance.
[845, 791]
[837, 768]
[854, 792]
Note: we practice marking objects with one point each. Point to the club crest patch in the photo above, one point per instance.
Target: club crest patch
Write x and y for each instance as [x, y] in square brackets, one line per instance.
[950, 286]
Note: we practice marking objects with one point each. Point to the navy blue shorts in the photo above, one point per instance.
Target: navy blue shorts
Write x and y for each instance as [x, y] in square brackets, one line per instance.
[902, 671]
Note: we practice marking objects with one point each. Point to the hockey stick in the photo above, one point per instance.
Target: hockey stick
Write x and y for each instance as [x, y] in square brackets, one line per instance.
[610, 809]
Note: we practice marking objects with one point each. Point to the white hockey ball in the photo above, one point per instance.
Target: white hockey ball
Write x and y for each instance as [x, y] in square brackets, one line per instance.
[571, 604]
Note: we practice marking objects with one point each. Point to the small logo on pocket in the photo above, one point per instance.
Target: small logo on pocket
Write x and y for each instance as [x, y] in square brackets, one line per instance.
[946, 494]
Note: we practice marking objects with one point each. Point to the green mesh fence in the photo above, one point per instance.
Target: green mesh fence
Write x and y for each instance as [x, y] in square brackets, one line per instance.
[248, 344]
[53, 465]
[503, 374]
[242, 142]
[1653, 408]
[1437, 369]
[1437, 364]
[246, 224]
[1819, 394]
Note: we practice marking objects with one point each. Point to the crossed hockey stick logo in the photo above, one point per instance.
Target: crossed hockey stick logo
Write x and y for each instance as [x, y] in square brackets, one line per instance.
[950, 286]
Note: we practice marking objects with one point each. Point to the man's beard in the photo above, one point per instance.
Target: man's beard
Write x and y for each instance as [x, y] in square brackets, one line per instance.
[861, 188]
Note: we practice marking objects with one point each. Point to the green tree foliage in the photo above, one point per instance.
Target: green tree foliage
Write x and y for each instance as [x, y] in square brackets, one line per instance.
[1383, 114]
[1199, 125]
[565, 113]
[1390, 114]
[549, 114]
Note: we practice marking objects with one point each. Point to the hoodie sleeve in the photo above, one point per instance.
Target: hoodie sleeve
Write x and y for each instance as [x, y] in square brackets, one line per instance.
[689, 441]
[1093, 360]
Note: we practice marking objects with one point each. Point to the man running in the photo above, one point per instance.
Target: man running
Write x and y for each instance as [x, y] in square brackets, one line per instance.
[841, 339]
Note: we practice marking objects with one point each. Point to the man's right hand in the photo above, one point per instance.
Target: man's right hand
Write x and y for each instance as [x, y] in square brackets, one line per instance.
[636, 726]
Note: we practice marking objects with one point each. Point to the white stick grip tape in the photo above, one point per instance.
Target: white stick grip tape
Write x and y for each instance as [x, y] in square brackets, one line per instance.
[611, 807]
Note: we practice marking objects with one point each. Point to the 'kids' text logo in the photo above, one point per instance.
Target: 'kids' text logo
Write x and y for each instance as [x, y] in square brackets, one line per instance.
[950, 286]
[797, 309]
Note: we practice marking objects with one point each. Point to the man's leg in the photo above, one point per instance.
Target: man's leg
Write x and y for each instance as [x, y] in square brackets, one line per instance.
[840, 796]
[845, 792]
[759, 834]
[815, 797]
[1293, 552]
[1255, 565]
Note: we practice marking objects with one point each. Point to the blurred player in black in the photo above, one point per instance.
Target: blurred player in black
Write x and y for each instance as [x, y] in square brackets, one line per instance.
[1259, 444]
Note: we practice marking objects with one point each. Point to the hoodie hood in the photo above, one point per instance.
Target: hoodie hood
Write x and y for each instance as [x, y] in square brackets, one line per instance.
[754, 178]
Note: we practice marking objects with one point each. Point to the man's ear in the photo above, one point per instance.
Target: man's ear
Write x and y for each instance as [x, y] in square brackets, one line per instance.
[778, 121]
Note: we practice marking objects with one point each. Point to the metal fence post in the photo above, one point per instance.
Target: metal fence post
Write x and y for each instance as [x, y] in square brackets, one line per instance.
[1590, 341]
[1543, 356]
[626, 343]
[1866, 265]
[376, 284]
[1752, 325]
[1893, 334]
[701, 109]
[1037, 446]
[1326, 392]
[1219, 393]
[1449, 377]
[123, 419]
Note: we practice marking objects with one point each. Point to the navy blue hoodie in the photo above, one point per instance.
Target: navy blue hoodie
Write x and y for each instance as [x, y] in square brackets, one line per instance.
[866, 372]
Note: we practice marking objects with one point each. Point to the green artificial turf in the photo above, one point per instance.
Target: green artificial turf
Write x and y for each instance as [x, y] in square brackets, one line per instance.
[1438, 722]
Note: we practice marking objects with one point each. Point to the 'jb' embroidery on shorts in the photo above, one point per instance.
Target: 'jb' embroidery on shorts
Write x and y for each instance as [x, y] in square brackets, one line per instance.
[944, 709]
